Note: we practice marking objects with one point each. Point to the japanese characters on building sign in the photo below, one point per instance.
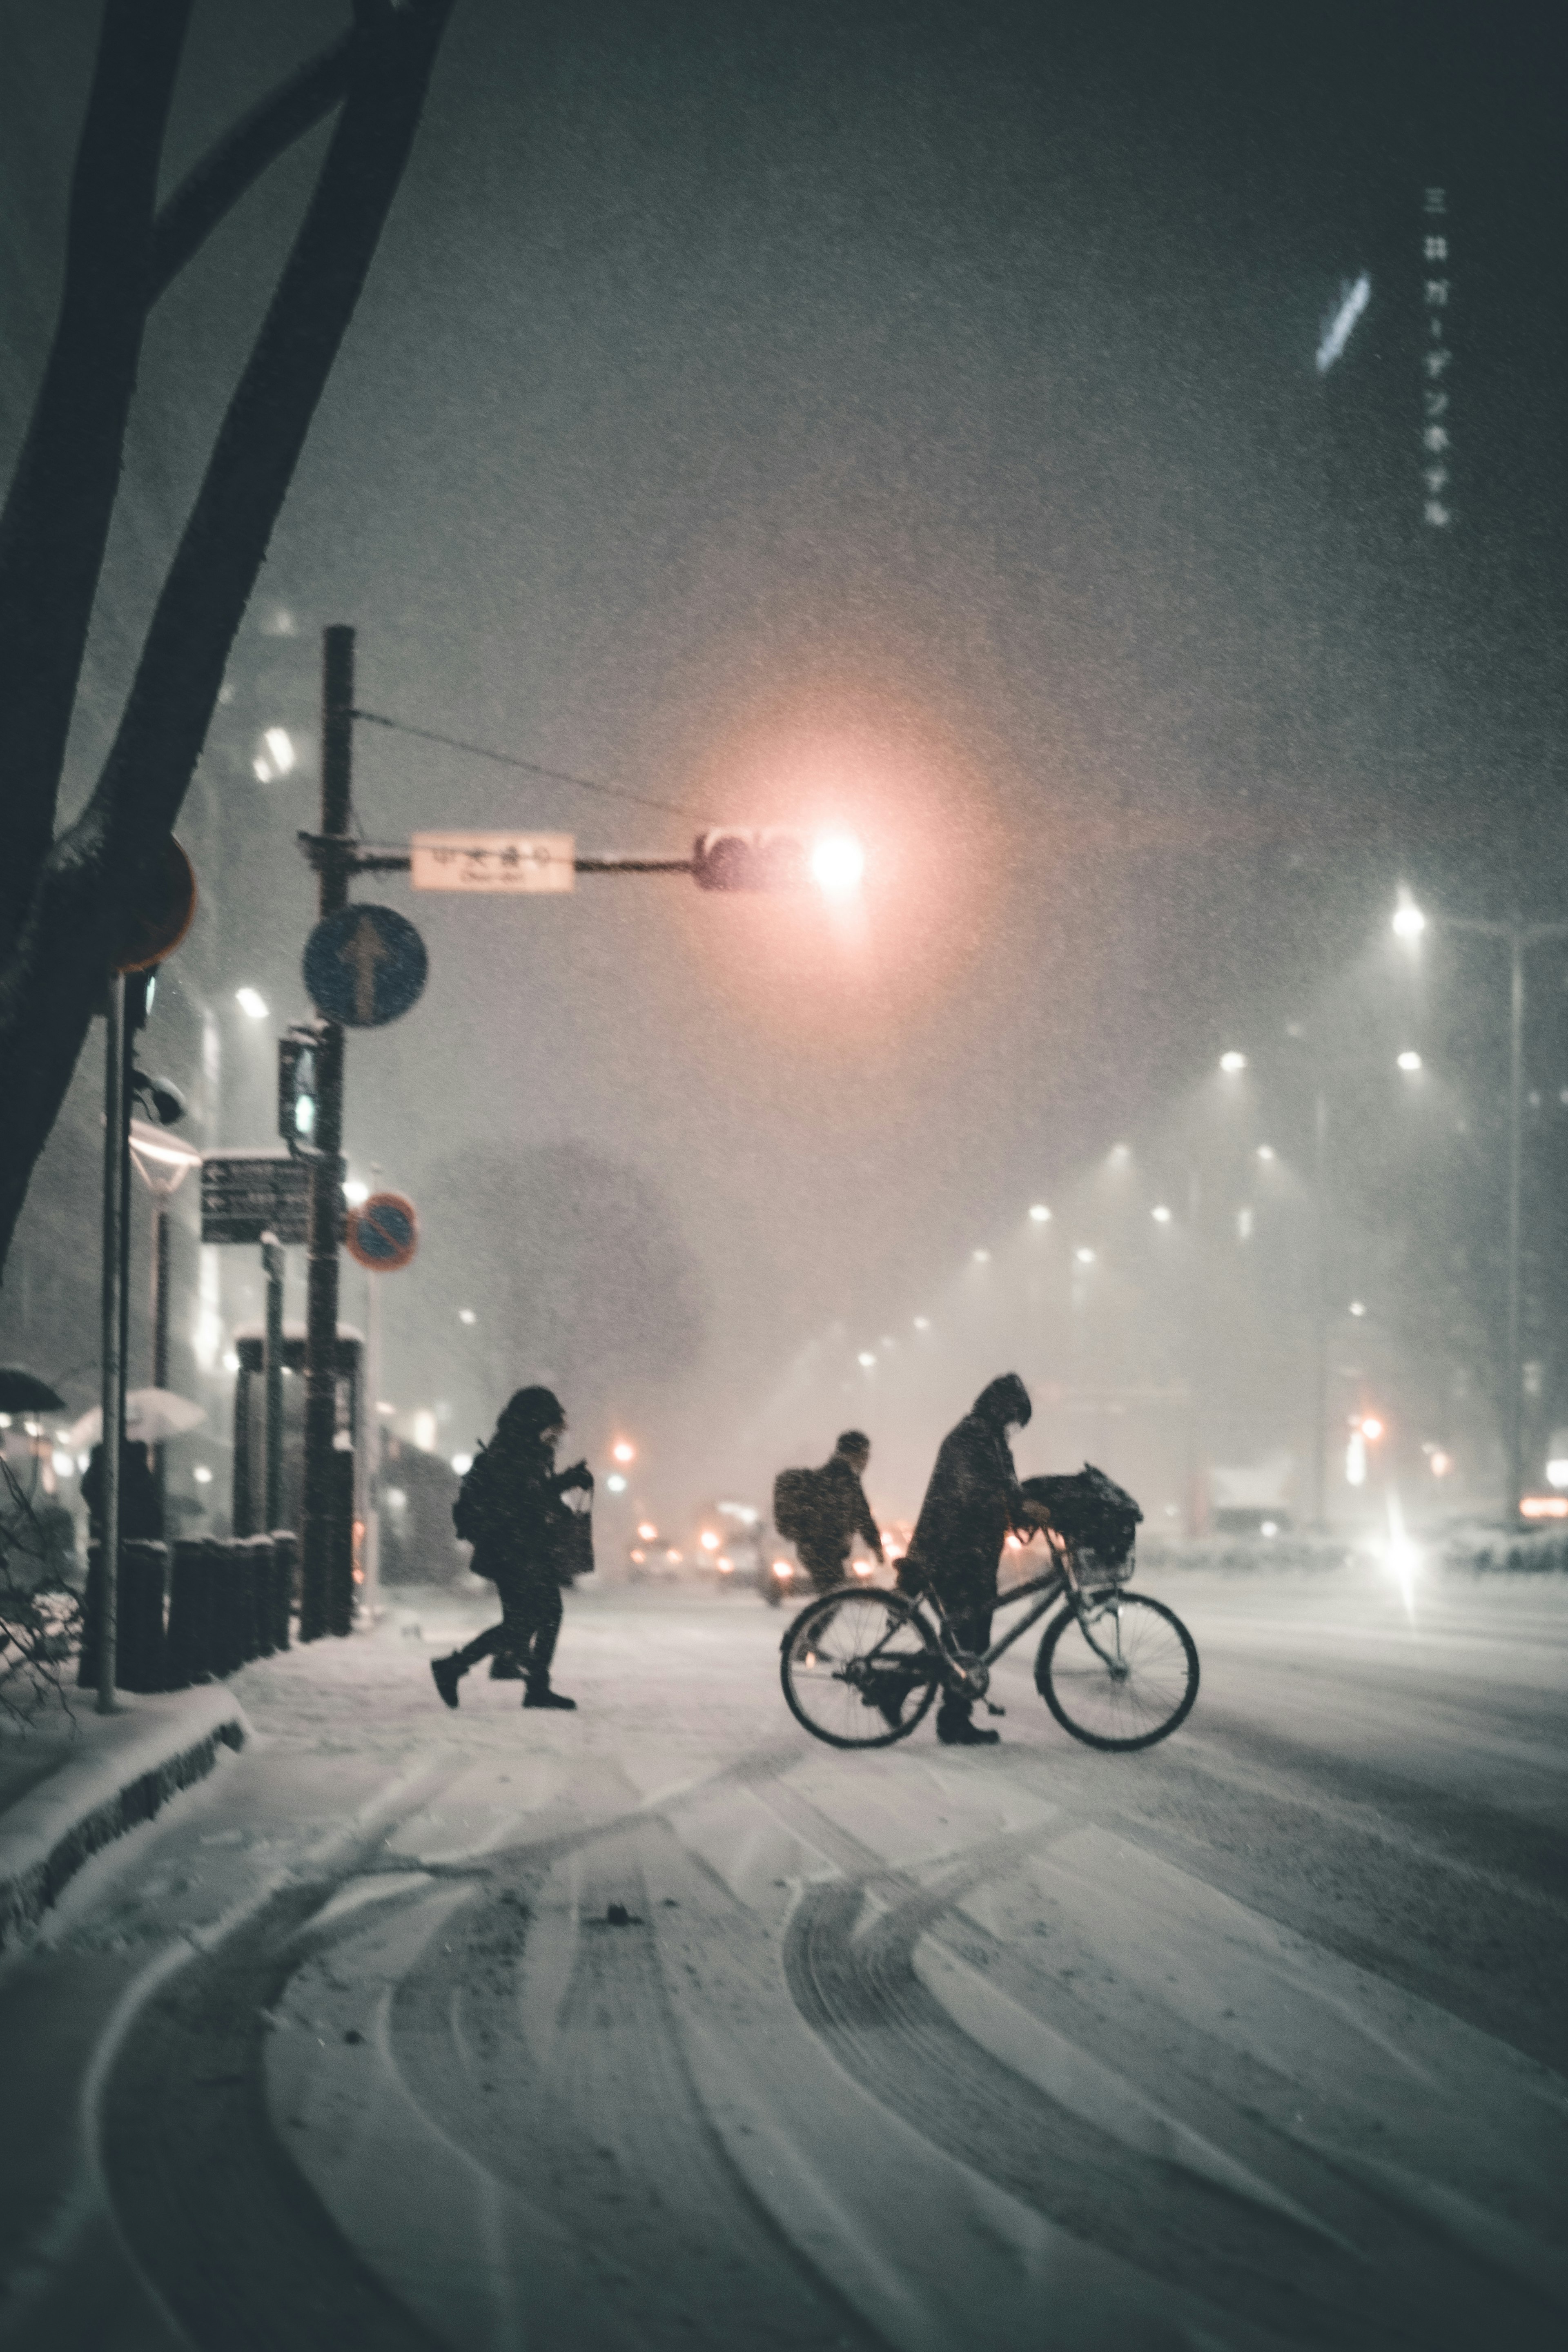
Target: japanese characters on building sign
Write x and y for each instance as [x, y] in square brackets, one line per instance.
[1437, 418]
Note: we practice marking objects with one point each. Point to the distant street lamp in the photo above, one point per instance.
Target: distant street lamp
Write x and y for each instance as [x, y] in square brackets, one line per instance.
[1409, 923]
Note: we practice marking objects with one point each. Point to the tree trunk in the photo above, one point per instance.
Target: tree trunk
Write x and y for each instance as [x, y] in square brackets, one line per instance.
[52, 984]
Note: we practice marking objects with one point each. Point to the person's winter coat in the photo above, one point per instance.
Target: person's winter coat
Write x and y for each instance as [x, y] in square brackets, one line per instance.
[139, 1519]
[973, 1499]
[839, 1512]
[511, 1497]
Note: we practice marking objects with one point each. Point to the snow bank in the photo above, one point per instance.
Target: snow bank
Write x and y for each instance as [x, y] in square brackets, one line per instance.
[124, 1769]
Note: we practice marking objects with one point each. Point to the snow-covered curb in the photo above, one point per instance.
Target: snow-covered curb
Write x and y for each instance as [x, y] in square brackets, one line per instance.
[126, 1767]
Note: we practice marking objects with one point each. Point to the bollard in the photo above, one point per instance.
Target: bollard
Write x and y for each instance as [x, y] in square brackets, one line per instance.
[138, 1649]
[285, 1558]
[188, 1649]
[227, 1567]
[253, 1562]
[261, 1575]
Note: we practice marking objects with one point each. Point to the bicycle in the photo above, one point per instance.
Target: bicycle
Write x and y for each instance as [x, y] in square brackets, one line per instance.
[861, 1667]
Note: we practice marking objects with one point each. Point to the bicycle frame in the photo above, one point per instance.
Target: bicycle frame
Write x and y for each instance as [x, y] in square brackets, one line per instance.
[1061, 1578]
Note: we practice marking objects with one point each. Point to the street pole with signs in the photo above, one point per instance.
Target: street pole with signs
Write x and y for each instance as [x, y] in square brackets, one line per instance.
[319, 1519]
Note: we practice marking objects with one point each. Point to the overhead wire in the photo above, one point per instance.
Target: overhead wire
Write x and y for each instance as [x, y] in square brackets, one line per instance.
[528, 767]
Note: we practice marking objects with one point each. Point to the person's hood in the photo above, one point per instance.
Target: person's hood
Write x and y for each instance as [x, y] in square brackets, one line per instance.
[1003, 1400]
[527, 1415]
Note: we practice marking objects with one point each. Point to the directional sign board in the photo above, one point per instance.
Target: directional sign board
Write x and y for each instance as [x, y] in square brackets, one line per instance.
[511, 862]
[364, 966]
[248, 1193]
[383, 1232]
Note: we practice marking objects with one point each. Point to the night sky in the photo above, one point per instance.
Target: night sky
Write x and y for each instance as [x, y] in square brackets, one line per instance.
[905, 415]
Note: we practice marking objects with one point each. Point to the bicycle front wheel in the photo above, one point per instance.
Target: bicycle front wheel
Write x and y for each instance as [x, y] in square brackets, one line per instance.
[859, 1668]
[1128, 1680]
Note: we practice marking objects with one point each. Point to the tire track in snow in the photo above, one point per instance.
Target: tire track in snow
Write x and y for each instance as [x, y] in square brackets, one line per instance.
[590, 2114]
[858, 1989]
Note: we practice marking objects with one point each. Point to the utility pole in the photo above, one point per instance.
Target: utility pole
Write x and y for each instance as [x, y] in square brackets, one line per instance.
[1319, 1313]
[111, 1328]
[272, 1386]
[1409, 923]
[320, 1531]
[1513, 1417]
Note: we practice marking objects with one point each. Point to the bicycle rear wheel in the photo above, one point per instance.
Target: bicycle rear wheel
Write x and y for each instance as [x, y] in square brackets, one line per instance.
[1136, 1688]
[859, 1668]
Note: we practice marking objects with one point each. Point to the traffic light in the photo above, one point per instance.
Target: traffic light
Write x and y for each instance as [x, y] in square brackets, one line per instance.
[297, 1089]
[768, 857]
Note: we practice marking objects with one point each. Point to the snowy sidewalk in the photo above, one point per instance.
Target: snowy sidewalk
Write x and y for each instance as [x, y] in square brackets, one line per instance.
[74, 1781]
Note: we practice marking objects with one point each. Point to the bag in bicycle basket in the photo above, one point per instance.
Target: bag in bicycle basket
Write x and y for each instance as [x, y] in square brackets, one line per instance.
[1098, 1517]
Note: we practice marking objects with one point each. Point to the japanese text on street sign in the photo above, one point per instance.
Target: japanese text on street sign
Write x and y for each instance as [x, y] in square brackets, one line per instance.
[493, 861]
[248, 1193]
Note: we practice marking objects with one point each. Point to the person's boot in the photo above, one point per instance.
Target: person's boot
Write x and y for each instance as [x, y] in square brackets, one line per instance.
[504, 1668]
[957, 1731]
[539, 1693]
[448, 1673]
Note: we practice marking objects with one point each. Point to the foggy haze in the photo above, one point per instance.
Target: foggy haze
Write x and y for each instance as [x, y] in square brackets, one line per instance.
[907, 418]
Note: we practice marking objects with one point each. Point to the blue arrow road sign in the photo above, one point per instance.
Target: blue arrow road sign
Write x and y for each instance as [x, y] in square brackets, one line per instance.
[364, 966]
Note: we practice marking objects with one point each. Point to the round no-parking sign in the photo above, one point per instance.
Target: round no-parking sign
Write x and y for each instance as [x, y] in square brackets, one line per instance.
[383, 1232]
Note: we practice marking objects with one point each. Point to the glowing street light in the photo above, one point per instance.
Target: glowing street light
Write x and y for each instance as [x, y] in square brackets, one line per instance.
[838, 864]
[1409, 923]
[251, 1003]
[1084, 1256]
[1266, 1152]
[1040, 1214]
[356, 1193]
[1409, 1062]
[1232, 1064]
[623, 1449]
[1162, 1215]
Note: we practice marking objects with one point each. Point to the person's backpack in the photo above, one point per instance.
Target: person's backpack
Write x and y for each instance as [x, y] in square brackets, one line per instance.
[1091, 1511]
[796, 1505]
[470, 1512]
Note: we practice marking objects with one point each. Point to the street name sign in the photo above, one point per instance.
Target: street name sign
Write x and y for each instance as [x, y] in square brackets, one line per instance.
[383, 1232]
[364, 966]
[508, 862]
[248, 1193]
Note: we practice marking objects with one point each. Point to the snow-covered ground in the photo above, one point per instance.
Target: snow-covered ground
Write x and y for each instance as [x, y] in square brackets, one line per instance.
[1256, 2038]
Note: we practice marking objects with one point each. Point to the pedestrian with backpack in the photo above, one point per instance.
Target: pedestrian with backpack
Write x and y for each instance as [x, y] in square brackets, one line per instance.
[821, 1511]
[509, 1508]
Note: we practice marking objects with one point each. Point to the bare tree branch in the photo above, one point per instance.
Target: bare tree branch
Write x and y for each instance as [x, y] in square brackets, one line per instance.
[214, 185]
[55, 520]
[49, 989]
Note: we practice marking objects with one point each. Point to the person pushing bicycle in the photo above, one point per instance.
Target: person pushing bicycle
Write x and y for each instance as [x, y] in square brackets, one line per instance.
[972, 1504]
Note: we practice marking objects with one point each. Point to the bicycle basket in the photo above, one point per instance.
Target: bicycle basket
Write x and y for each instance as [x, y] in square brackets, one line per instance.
[1099, 1518]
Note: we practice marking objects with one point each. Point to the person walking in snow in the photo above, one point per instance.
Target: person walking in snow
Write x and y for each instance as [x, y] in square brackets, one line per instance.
[971, 1505]
[839, 1512]
[510, 1509]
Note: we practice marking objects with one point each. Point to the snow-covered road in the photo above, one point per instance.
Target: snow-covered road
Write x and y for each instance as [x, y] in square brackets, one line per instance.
[1258, 2038]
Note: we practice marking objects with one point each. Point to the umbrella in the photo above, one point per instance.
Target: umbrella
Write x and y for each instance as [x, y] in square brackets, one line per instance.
[24, 1392]
[151, 1415]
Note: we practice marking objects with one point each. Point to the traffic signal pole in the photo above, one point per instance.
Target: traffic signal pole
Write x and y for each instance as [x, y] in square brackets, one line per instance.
[116, 1185]
[332, 869]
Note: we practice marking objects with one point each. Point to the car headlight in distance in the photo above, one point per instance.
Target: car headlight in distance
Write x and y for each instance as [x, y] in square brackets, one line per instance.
[781, 1568]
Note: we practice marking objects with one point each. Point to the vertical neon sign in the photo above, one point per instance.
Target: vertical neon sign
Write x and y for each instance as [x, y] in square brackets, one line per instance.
[1436, 431]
